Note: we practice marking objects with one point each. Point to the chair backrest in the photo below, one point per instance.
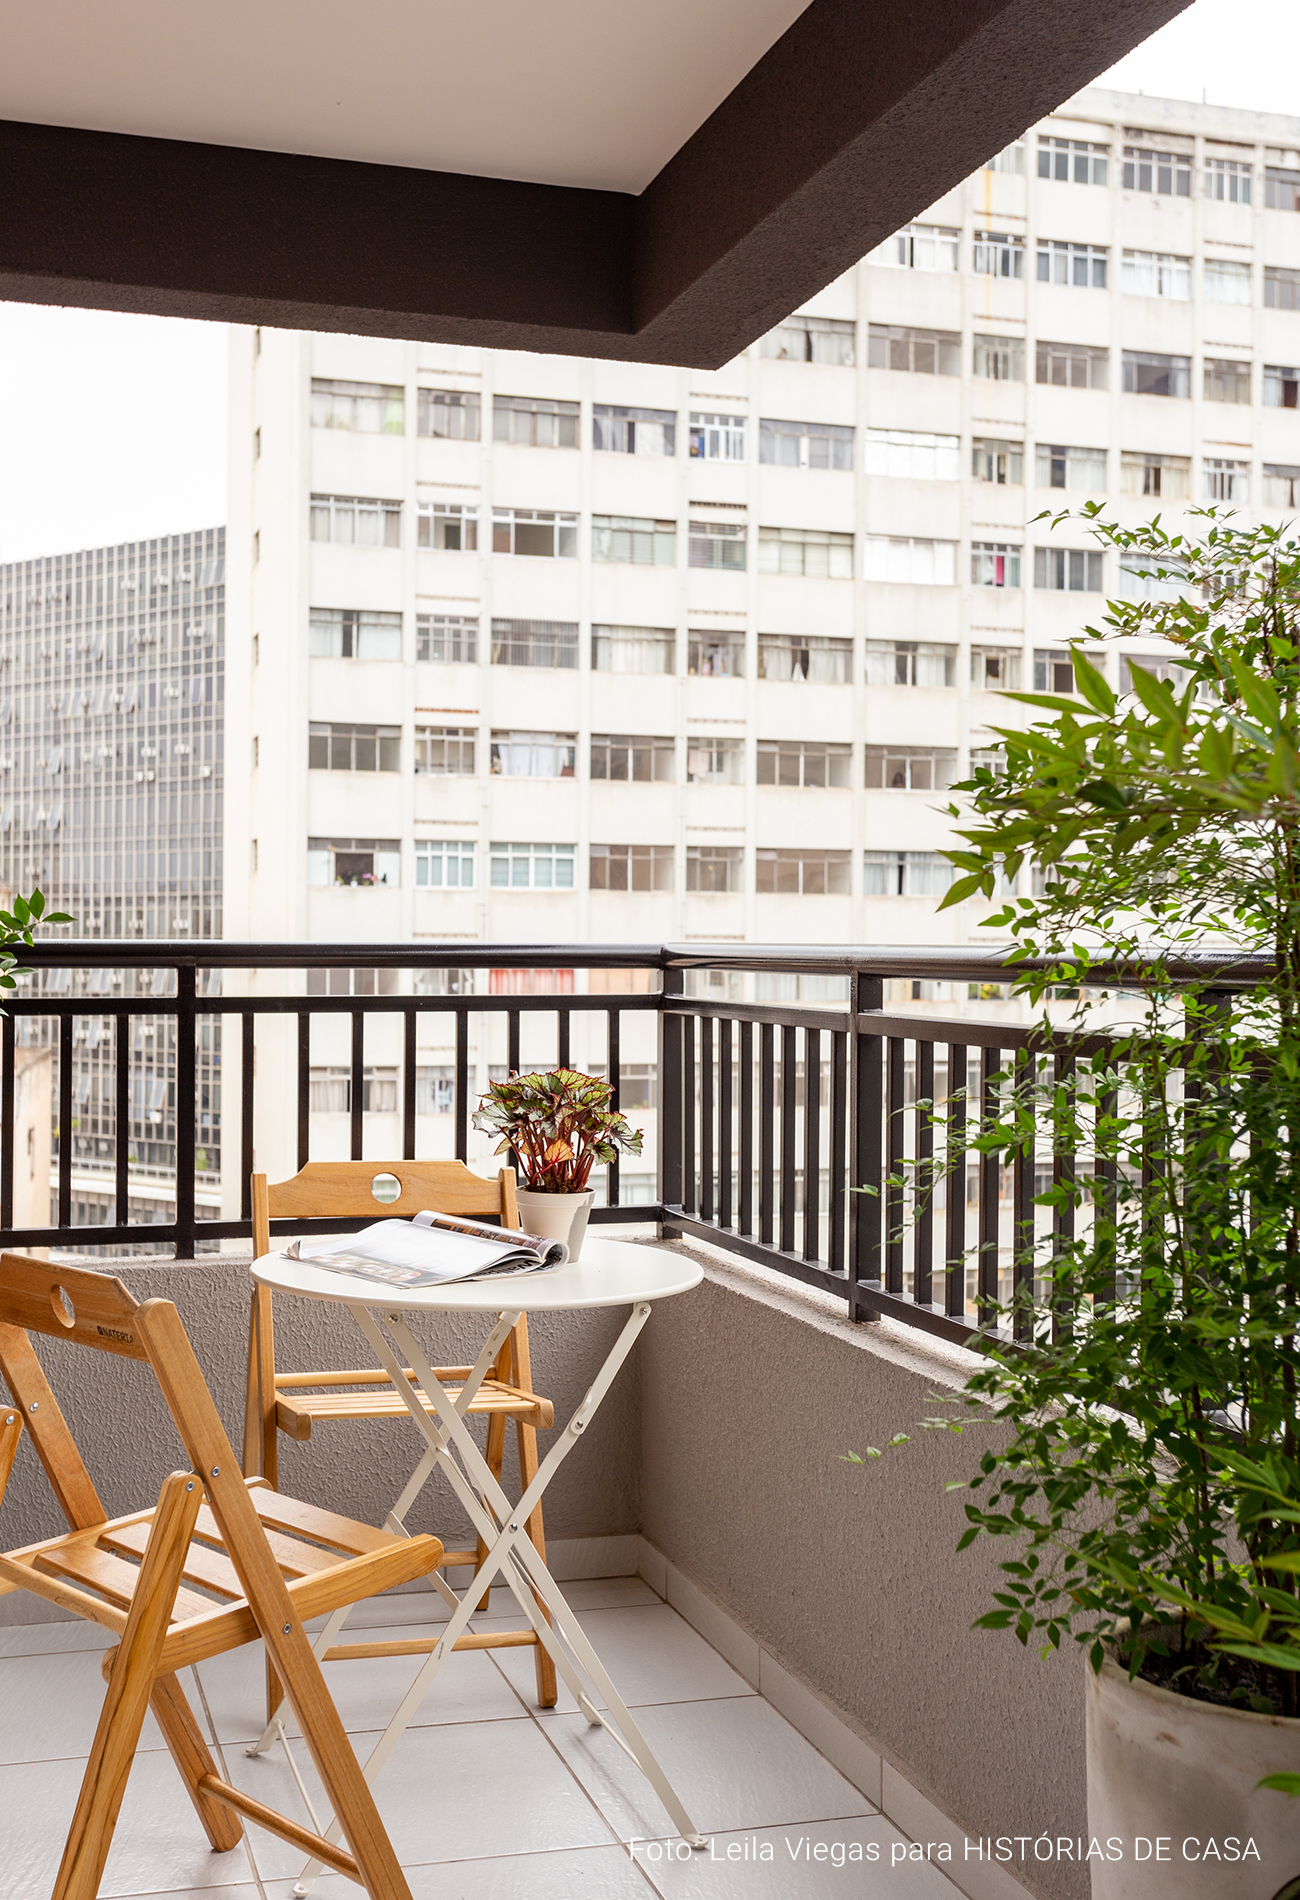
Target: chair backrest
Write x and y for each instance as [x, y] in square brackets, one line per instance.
[345, 1190]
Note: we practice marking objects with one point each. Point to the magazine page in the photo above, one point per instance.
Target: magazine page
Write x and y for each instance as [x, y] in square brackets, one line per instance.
[428, 1252]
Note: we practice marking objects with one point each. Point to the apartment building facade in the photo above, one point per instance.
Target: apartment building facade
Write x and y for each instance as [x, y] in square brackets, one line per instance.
[535, 648]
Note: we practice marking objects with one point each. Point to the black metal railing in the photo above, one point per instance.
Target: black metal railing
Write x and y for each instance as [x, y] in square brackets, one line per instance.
[786, 1127]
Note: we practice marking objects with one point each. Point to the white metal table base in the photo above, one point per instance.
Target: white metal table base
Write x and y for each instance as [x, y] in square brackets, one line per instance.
[503, 1529]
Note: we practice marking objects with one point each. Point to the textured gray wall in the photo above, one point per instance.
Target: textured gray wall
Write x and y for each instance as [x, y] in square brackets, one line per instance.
[129, 1444]
[848, 1574]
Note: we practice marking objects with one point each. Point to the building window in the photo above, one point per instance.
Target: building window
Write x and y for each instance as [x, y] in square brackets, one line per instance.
[1157, 274]
[550, 643]
[445, 752]
[435, 1089]
[633, 649]
[913, 455]
[1225, 381]
[715, 655]
[533, 754]
[718, 544]
[1073, 161]
[811, 340]
[330, 1091]
[803, 873]
[631, 867]
[922, 352]
[1060, 467]
[910, 768]
[1281, 189]
[1281, 484]
[1148, 373]
[535, 531]
[815, 657]
[996, 461]
[352, 982]
[1010, 159]
[803, 762]
[532, 867]
[812, 552]
[1226, 281]
[364, 408]
[1281, 386]
[442, 982]
[634, 431]
[714, 868]
[905, 874]
[1224, 479]
[1281, 288]
[994, 564]
[919, 247]
[345, 633]
[336, 748]
[1000, 359]
[444, 864]
[536, 422]
[995, 669]
[1169, 174]
[1083, 266]
[451, 413]
[998, 254]
[910, 663]
[525, 983]
[449, 526]
[717, 438]
[805, 444]
[1167, 476]
[712, 761]
[1053, 670]
[1228, 180]
[446, 639]
[635, 539]
[625, 759]
[1073, 366]
[1068, 570]
[356, 521]
[356, 861]
[1144, 577]
[909, 559]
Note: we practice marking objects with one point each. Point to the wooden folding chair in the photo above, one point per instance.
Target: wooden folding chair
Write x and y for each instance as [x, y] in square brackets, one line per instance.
[215, 1564]
[294, 1402]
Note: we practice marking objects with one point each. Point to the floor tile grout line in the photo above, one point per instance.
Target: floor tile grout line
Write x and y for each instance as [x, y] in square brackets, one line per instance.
[246, 1843]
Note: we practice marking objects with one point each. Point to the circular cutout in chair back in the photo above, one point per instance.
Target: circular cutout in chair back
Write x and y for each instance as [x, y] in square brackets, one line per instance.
[64, 1311]
[386, 1187]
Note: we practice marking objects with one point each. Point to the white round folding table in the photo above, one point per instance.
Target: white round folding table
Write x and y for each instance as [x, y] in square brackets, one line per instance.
[610, 1273]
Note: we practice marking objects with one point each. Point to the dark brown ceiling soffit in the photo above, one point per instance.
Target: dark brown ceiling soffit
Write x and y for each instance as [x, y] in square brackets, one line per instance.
[858, 118]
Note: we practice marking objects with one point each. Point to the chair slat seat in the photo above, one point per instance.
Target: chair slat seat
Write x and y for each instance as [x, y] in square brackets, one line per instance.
[296, 1412]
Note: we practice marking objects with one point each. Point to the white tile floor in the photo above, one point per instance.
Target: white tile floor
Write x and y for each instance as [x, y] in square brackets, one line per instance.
[486, 1798]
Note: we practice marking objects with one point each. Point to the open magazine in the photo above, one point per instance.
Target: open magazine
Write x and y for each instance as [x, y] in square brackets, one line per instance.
[430, 1250]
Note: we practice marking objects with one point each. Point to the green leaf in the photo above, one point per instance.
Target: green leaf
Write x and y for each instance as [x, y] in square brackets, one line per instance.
[1285, 1783]
[1091, 683]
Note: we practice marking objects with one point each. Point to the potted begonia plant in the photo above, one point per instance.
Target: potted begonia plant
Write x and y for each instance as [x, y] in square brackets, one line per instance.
[560, 1124]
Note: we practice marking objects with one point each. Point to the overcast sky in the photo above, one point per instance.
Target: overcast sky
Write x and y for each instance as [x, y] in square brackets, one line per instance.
[112, 428]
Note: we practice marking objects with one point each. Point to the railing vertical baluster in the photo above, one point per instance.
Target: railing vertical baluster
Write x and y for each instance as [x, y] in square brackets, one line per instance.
[408, 1085]
[1106, 1199]
[989, 1178]
[836, 1159]
[8, 1049]
[1062, 1178]
[512, 1041]
[866, 1084]
[955, 1175]
[766, 1129]
[812, 1128]
[462, 1083]
[304, 1087]
[922, 1181]
[122, 1120]
[746, 1162]
[65, 1121]
[247, 1077]
[690, 1199]
[707, 1202]
[1023, 1193]
[613, 1065]
[356, 1096]
[671, 1097]
[724, 1122]
[562, 1027]
[186, 1027]
[895, 1152]
[789, 1121]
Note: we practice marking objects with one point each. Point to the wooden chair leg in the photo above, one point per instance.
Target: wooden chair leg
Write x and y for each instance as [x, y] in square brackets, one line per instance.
[130, 1688]
[189, 1751]
[526, 1438]
[11, 1430]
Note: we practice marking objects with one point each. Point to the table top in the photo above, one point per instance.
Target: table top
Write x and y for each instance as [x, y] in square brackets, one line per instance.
[610, 1273]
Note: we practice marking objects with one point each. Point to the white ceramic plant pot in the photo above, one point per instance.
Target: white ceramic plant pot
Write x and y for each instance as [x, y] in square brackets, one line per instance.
[556, 1216]
[1167, 1775]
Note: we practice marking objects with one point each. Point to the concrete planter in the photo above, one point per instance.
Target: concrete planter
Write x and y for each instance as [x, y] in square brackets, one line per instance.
[1167, 1776]
[556, 1216]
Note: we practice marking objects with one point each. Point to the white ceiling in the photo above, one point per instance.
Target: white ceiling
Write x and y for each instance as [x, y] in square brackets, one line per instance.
[566, 92]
